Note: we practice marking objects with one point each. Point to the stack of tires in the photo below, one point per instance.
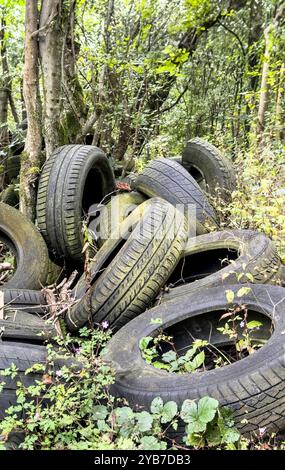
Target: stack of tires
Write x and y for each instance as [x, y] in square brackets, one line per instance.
[156, 253]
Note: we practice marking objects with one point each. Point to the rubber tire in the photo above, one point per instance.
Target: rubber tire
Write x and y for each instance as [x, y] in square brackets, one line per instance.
[29, 247]
[62, 184]
[253, 387]
[218, 171]
[24, 356]
[124, 204]
[23, 326]
[135, 275]
[169, 180]
[258, 257]
[32, 301]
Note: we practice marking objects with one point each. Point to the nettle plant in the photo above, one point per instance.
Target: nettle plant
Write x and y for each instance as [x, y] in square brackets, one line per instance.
[68, 406]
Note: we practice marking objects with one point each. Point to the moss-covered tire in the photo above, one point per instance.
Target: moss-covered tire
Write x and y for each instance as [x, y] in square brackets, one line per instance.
[126, 286]
[73, 179]
[210, 168]
[113, 214]
[28, 246]
[253, 387]
[169, 180]
[221, 258]
[32, 301]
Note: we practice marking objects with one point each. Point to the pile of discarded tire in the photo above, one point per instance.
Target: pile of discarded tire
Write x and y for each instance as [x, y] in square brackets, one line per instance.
[154, 266]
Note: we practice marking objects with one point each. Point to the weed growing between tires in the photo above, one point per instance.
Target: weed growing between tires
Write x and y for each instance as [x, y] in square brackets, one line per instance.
[69, 407]
[161, 352]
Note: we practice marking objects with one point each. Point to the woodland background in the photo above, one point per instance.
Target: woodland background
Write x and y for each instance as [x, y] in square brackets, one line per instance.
[138, 78]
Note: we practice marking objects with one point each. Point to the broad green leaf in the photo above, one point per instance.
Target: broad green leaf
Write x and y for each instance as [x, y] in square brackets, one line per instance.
[152, 443]
[207, 408]
[253, 324]
[144, 421]
[156, 405]
[169, 356]
[100, 412]
[170, 410]
[144, 342]
[230, 435]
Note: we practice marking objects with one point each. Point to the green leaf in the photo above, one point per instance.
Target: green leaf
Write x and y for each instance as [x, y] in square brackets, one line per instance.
[207, 408]
[243, 291]
[253, 324]
[100, 412]
[156, 321]
[156, 406]
[189, 411]
[169, 356]
[230, 435]
[230, 295]
[152, 443]
[144, 421]
[144, 342]
[198, 360]
[170, 410]
[124, 415]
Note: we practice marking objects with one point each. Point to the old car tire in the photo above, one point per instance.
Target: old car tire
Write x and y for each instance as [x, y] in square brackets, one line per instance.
[28, 246]
[124, 287]
[253, 387]
[169, 180]
[220, 258]
[73, 179]
[213, 171]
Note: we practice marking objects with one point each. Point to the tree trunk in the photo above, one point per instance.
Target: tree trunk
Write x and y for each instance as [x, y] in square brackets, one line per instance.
[4, 88]
[30, 166]
[51, 37]
[279, 112]
[263, 100]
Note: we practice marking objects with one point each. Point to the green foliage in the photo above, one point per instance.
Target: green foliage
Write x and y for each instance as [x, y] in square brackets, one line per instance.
[207, 424]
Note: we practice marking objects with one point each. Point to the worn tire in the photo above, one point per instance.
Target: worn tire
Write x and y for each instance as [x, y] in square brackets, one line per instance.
[113, 214]
[23, 326]
[72, 179]
[169, 180]
[209, 167]
[32, 301]
[29, 247]
[253, 387]
[24, 356]
[257, 258]
[131, 281]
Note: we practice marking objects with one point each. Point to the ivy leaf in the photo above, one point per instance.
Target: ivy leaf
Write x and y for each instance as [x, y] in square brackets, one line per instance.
[144, 421]
[243, 291]
[156, 406]
[170, 410]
